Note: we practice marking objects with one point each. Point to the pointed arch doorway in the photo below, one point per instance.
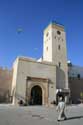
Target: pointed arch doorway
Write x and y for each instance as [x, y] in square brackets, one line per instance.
[36, 95]
[36, 91]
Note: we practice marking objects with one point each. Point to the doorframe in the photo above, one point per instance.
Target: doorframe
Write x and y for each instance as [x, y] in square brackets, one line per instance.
[34, 81]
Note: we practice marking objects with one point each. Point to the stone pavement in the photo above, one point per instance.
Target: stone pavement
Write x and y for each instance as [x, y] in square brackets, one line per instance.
[39, 115]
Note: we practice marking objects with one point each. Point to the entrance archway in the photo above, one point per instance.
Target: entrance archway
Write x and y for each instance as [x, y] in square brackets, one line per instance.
[36, 95]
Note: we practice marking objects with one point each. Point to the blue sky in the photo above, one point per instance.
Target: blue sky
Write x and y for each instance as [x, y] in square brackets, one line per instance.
[32, 16]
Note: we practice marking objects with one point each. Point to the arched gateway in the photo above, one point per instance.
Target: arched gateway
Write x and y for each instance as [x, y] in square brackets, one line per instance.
[36, 91]
[36, 95]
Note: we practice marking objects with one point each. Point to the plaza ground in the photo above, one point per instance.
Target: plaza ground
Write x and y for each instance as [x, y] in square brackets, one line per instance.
[39, 115]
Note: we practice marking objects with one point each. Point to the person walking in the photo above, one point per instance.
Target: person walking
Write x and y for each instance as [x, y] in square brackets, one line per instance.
[61, 109]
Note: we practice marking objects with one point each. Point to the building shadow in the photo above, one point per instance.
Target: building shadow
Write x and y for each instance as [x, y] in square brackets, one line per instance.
[60, 78]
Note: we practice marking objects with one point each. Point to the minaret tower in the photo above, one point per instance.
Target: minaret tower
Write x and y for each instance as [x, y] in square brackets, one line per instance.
[54, 50]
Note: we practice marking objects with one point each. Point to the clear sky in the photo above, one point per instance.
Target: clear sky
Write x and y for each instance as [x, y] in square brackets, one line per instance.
[31, 17]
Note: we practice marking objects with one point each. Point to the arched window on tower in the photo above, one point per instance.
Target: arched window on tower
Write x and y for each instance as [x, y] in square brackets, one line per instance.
[59, 64]
[47, 34]
[58, 32]
[59, 47]
[47, 48]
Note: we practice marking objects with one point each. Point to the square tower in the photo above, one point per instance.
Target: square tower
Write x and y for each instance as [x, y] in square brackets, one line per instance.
[54, 50]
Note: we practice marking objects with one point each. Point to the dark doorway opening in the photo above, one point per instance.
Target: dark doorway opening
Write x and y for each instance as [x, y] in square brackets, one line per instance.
[36, 95]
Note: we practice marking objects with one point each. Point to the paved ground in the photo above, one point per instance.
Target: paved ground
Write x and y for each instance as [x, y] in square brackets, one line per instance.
[10, 115]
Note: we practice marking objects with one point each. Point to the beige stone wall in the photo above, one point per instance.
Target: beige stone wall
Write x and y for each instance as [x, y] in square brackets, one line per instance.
[5, 84]
[28, 67]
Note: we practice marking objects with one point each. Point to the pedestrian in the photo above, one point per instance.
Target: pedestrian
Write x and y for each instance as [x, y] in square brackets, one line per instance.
[61, 109]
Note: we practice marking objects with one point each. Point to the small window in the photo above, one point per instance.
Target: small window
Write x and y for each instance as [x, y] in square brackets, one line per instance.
[59, 47]
[47, 34]
[58, 32]
[47, 48]
[59, 64]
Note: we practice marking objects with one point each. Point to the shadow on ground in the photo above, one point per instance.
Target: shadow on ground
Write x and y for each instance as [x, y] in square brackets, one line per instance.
[76, 117]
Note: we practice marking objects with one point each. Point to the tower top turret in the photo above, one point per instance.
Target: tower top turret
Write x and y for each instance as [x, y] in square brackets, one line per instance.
[56, 25]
